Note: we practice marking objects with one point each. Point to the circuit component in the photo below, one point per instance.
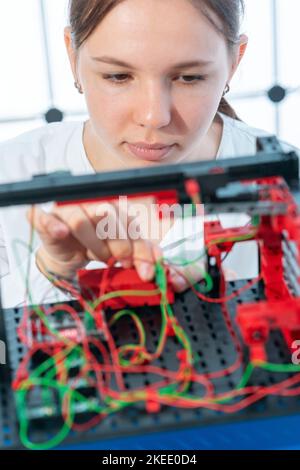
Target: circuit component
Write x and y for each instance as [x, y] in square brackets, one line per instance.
[130, 290]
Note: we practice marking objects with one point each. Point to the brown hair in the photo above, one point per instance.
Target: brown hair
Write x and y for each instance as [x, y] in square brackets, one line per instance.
[85, 15]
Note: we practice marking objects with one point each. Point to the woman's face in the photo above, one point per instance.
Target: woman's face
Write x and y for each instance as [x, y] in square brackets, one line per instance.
[153, 73]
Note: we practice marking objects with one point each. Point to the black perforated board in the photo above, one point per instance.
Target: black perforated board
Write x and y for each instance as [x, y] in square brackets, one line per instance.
[212, 343]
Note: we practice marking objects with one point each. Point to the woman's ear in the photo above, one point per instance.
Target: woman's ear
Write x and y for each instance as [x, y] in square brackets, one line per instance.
[239, 54]
[242, 47]
[70, 49]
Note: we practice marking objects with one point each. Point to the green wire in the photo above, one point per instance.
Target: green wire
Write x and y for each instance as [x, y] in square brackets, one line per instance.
[246, 376]
[24, 423]
[63, 389]
[75, 352]
[284, 368]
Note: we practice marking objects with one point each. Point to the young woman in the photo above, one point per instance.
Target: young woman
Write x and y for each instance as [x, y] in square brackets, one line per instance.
[154, 74]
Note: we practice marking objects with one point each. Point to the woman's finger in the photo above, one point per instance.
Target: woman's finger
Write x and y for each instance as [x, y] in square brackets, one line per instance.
[144, 259]
[183, 277]
[49, 226]
[178, 280]
[121, 245]
[82, 225]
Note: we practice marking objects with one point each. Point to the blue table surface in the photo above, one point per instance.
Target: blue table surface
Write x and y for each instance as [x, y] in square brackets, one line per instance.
[273, 433]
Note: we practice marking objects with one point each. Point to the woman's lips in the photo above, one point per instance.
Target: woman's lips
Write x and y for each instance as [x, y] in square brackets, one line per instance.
[147, 153]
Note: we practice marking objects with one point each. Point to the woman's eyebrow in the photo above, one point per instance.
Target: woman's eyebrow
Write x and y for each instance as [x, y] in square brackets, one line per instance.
[121, 63]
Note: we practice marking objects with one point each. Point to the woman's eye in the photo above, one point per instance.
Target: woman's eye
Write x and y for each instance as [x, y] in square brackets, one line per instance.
[190, 79]
[117, 77]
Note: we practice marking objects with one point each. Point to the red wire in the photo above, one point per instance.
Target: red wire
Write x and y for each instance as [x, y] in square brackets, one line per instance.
[103, 371]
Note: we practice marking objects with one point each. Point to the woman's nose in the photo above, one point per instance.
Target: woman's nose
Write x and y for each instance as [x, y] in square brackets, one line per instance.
[153, 107]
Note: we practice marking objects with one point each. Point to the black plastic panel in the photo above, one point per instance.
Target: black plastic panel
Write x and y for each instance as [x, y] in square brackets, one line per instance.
[211, 341]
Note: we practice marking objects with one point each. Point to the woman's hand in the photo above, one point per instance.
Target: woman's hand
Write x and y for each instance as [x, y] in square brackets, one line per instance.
[72, 236]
